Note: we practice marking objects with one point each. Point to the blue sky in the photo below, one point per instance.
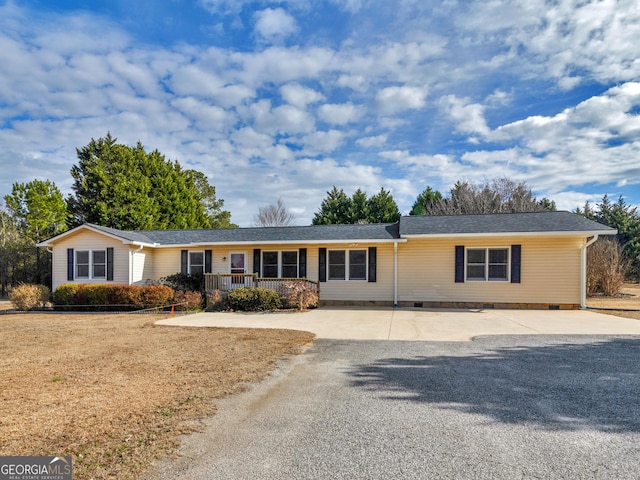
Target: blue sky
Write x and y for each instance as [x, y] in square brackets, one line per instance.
[288, 98]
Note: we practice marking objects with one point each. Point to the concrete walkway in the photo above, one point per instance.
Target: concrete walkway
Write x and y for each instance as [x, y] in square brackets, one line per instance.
[419, 324]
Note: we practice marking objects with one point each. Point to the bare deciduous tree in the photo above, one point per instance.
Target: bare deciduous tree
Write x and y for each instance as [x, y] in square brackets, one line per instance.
[607, 267]
[274, 215]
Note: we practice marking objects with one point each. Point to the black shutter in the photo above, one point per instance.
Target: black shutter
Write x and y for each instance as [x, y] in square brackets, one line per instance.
[322, 264]
[184, 262]
[256, 261]
[70, 264]
[459, 264]
[302, 263]
[110, 264]
[208, 255]
[516, 262]
[372, 263]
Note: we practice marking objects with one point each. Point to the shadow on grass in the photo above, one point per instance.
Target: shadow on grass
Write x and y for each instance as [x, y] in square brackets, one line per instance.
[558, 386]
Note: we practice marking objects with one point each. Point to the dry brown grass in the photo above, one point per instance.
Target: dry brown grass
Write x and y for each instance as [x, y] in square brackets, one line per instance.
[629, 298]
[115, 391]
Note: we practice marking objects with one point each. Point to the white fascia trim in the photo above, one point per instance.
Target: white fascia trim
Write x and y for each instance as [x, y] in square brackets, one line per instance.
[57, 238]
[284, 242]
[512, 234]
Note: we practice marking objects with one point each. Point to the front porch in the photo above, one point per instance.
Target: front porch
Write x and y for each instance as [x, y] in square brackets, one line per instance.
[223, 282]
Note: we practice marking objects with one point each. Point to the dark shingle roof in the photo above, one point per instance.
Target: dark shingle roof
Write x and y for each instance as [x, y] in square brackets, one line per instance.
[449, 225]
[527, 223]
[313, 233]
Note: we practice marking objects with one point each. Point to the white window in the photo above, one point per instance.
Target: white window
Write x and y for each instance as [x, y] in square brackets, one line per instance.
[282, 264]
[196, 263]
[487, 264]
[91, 264]
[347, 264]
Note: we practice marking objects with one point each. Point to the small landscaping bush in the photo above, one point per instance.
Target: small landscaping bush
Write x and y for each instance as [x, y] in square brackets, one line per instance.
[254, 299]
[187, 300]
[184, 283]
[217, 302]
[300, 295]
[28, 296]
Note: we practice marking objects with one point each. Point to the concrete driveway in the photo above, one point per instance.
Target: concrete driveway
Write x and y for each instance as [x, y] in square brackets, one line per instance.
[420, 324]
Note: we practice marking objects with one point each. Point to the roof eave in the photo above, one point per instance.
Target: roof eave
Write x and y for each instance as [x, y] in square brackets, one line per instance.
[283, 242]
[581, 233]
[125, 241]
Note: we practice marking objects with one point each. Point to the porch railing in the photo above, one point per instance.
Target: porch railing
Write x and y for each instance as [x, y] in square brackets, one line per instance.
[228, 281]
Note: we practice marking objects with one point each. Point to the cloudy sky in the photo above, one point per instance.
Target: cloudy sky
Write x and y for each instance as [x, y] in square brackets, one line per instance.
[286, 98]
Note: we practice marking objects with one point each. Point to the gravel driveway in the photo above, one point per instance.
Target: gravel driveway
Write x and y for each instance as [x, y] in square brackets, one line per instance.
[502, 407]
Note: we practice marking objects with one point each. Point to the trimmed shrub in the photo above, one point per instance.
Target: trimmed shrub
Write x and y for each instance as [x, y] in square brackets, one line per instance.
[66, 294]
[99, 295]
[254, 299]
[300, 295]
[156, 295]
[189, 300]
[28, 296]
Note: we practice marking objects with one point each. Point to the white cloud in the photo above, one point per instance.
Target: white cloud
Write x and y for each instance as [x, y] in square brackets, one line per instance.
[372, 141]
[285, 120]
[272, 24]
[321, 142]
[392, 100]
[339, 114]
[469, 117]
[299, 96]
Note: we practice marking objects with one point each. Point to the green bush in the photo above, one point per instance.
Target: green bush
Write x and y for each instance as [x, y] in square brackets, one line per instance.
[99, 295]
[254, 299]
[28, 296]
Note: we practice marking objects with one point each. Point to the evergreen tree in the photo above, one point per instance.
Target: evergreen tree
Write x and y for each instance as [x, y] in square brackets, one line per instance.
[359, 208]
[337, 208]
[383, 208]
[127, 188]
[334, 209]
[427, 201]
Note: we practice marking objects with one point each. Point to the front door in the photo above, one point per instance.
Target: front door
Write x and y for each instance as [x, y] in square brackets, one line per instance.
[238, 265]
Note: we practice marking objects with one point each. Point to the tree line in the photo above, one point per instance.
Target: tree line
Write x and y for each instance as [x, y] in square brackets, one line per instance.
[129, 188]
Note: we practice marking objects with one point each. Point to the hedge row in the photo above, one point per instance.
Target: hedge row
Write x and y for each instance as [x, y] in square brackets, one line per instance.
[101, 294]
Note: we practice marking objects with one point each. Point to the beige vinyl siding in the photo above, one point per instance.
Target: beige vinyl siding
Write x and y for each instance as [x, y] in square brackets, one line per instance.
[142, 265]
[88, 240]
[550, 271]
[359, 290]
[167, 262]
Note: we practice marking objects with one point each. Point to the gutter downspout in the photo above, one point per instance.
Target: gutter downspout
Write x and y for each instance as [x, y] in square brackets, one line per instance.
[395, 274]
[131, 259]
[583, 270]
